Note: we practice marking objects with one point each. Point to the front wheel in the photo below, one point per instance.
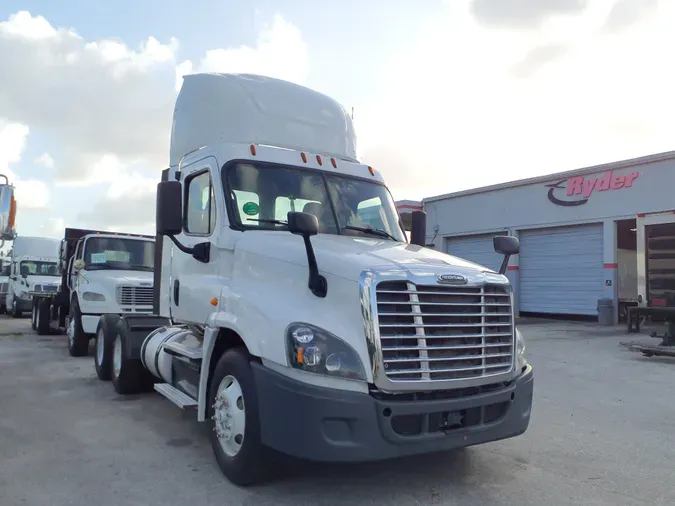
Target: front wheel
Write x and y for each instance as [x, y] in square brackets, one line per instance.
[42, 317]
[15, 310]
[233, 408]
[78, 342]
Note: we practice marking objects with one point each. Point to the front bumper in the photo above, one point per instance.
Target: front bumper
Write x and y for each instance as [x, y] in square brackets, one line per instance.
[330, 425]
[24, 305]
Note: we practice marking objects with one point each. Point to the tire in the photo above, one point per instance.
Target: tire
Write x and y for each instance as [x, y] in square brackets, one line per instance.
[249, 465]
[128, 375]
[33, 315]
[78, 341]
[105, 338]
[43, 317]
[15, 312]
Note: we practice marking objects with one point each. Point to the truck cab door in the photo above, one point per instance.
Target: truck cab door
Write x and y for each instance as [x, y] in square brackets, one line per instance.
[194, 283]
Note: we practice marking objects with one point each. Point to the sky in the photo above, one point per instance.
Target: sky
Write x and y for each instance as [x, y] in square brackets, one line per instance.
[447, 94]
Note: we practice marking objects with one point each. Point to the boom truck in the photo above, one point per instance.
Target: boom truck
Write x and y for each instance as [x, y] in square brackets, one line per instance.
[290, 311]
[101, 273]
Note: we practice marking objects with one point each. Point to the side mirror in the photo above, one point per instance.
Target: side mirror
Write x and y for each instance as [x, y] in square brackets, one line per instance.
[307, 225]
[304, 224]
[7, 210]
[418, 228]
[78, 264]
[169, 212]
[506, 245]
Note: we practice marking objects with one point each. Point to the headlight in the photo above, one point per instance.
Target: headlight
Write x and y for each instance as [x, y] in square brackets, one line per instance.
[312, 349]
[521, 361]
[93, 297]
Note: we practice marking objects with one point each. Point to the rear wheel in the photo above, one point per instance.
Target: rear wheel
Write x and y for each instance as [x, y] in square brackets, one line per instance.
[128, 374]
[105, 340]
[78, 342]
[233, 408]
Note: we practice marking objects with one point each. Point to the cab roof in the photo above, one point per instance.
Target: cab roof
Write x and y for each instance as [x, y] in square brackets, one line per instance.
[214, 109]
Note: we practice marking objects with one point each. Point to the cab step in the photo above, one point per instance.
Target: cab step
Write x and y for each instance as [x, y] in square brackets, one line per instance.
[175, 348]
[180, 399]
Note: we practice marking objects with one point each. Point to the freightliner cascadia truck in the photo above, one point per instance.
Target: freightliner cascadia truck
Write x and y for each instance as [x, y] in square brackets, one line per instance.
[291, 312]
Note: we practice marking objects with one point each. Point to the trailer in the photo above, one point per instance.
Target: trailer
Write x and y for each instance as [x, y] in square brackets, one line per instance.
[101, 273]
[655, 279]
[291, 320]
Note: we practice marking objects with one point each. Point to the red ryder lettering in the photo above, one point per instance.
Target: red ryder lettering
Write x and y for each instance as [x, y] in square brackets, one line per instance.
[580, 186]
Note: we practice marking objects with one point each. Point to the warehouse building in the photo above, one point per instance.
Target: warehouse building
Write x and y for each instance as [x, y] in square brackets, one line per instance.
[577, 231]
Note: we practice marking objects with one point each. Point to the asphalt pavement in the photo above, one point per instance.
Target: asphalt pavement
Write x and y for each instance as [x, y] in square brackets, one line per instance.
[601, 434]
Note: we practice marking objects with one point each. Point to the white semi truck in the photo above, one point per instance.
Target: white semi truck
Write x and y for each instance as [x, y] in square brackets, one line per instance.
[290, 310]
[101, 273]
[34, 270]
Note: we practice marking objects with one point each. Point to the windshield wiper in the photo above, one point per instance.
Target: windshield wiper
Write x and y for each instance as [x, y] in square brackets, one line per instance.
[273, 222]
[373, 231]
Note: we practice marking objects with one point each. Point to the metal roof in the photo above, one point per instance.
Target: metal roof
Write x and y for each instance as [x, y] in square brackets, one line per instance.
[631, 162]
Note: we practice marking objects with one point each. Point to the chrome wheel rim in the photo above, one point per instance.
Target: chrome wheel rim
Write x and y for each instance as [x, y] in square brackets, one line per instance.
[229, 418]
[117, 357]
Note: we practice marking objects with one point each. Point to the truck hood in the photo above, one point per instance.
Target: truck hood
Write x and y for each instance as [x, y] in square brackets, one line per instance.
[348, 256]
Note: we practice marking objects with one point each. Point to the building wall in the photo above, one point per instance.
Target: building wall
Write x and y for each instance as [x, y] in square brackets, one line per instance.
[603, 194]
[528, 206]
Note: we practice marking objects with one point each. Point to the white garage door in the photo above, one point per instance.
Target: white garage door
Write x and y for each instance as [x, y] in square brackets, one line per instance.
[561, 270]
[476, 248]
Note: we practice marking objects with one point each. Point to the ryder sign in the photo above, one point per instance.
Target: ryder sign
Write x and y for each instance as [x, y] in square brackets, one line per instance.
[575, 191]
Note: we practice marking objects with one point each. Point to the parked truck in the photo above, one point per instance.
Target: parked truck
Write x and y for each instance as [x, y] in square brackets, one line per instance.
[101, 273]
[34, 270]
[293, 320]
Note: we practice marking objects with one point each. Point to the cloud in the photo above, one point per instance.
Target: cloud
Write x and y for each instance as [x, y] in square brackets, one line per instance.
[45, 160]
[455, 115]
[113, 99]
[537, 58]
[52, 227]
[625, 13]
[30, 193]
[523, 13]
[280, 52]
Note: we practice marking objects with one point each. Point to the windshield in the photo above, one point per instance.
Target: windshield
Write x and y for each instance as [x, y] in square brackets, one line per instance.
[119, 253]
[342, 204]
[37, 268]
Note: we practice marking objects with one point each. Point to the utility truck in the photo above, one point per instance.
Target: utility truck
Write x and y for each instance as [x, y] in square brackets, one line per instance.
[34, 271]
[101, 273]
[291, 312]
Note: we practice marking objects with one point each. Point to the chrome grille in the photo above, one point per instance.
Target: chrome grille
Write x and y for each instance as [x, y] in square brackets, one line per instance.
[128, 295]
[441, 333]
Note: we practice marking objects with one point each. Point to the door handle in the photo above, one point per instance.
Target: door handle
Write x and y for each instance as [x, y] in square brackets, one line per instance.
[176, 291]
